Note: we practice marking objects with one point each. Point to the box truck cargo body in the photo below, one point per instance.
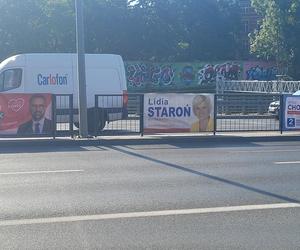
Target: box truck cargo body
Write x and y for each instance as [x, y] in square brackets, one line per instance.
[57, 74]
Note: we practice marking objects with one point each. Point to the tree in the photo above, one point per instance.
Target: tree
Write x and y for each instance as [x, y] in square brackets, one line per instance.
[277, 37]
[28, 26]
[160, 30]
[190, 29]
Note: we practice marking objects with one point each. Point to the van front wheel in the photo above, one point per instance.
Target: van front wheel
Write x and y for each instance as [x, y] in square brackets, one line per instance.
[96, 121]
[101, 124]
[91, 127]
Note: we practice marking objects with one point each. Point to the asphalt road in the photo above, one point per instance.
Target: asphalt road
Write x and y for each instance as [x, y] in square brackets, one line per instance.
[192, 194]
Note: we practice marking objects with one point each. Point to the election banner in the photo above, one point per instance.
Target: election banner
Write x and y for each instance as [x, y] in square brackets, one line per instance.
[167, 113]
[25, 114]
[291, 115]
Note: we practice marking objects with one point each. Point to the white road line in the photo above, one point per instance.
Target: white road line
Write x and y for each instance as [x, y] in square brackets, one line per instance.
[265, 151]
[43, 172]
[287, 162]
[145, 214]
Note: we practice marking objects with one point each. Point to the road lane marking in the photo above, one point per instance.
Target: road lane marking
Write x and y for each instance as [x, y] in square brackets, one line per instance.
[265, 151]
[43, 172]
[98, 217]
[287, 162]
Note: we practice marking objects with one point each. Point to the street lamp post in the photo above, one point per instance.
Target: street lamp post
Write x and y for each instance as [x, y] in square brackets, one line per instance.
[83, 126]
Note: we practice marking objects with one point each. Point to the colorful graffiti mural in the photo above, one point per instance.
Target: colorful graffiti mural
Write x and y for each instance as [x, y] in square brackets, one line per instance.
[147, 77]
[225, 71]
[187, 74]
[261, 71]
[143, 76]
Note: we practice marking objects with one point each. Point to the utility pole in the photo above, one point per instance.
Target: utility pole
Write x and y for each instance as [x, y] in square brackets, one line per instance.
[83, 126]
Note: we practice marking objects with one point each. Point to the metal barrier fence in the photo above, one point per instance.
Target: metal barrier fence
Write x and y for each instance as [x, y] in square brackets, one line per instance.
[117, 114]
[257, 86]
[246, 112]
[233, 112]
[63, 115]
[123, 114]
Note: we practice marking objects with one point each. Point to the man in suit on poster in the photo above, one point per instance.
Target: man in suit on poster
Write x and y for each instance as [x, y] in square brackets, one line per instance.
[38, 124]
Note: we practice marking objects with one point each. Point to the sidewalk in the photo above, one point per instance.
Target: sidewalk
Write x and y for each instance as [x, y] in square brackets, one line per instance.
[228, 137]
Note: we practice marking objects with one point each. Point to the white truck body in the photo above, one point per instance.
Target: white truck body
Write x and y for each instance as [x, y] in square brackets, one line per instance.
[57, 74]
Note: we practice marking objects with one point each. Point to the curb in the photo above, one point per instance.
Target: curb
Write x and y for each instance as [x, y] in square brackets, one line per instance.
[137, 140]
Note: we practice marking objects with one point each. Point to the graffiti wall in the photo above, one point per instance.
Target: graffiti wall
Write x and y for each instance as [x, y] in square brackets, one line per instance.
[150, 77]
[179, 76]
[262, 71]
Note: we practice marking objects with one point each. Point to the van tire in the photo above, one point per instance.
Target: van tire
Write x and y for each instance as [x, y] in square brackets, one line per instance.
[101, 125]
[96, 121]
[91, 131]
[76, 124]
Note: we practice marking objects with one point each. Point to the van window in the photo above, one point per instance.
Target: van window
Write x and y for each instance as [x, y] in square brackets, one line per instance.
[10, 79]
[1, 81]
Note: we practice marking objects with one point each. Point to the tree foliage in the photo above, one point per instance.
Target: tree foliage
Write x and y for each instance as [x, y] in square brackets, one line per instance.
[36, 26]
[279, 32]
[137, 29]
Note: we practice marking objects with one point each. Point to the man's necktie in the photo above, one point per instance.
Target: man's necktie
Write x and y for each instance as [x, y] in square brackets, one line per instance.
[37, 128]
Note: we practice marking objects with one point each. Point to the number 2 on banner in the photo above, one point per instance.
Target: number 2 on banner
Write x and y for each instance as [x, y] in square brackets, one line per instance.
[291, 122]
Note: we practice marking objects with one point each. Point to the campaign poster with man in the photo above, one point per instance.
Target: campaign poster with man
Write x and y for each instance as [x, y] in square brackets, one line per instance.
[26, 114]
[167, 113]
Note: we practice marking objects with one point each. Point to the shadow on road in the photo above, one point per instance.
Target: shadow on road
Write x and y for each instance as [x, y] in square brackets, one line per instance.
[70, 145]
[212, 177]
[45, 146]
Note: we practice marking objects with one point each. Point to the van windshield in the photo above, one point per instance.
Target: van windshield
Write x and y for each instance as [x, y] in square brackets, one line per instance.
[10, 79]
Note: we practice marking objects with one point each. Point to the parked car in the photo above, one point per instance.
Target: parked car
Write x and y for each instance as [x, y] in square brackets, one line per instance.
[274, 108]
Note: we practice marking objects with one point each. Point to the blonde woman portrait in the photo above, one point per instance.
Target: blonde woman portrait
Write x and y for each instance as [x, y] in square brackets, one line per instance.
[202, 108]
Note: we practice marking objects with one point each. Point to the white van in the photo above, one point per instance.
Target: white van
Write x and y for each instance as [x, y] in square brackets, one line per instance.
[57, 74]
